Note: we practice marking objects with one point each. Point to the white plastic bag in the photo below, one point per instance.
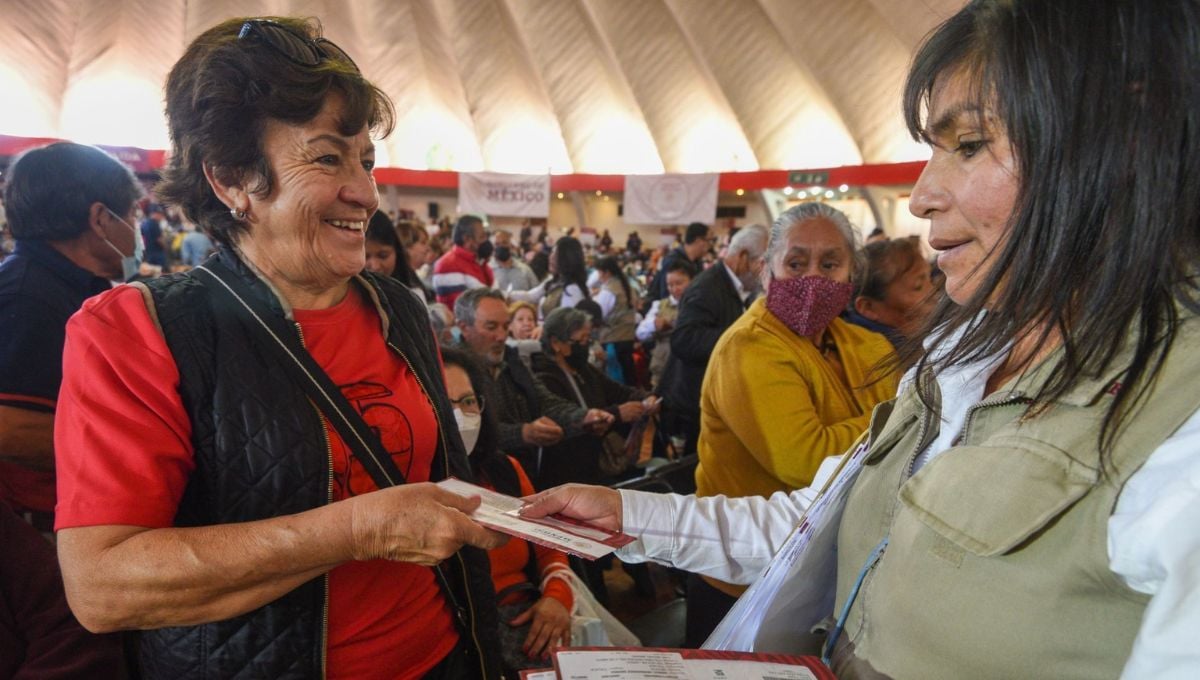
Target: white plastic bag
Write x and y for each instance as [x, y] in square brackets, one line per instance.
[591, 624]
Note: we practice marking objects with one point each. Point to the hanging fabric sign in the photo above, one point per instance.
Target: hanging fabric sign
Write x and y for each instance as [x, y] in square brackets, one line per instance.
[670, 199]
[495, 193]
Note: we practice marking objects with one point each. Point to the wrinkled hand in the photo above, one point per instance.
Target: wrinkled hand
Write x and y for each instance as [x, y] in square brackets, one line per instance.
[542, 432]
[418, 523]
[597, 421]
[631, 411]
[597, 505]
[551, 627]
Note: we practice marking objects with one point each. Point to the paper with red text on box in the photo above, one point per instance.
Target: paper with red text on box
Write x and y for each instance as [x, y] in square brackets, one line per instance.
[500, 513]
[619, 663]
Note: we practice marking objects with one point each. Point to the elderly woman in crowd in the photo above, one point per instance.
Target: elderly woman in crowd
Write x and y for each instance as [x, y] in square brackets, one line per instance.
[532, 589]
[524, 331]
[522, 321]
[895, 294]
[564, 369]
[1028, 506]
[789, 383]
[205, 497]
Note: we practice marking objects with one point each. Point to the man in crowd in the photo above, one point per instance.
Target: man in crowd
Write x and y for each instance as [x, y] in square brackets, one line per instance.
[154, 235]
[530, 415]
[71, 210]
[465, 266]
[697, 240]
[510, 272]
[713, 301]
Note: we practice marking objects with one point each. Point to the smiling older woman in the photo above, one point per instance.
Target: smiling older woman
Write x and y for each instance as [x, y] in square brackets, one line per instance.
[204, 499]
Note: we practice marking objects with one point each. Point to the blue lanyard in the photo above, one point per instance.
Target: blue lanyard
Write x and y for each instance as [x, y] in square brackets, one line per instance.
[841, 620]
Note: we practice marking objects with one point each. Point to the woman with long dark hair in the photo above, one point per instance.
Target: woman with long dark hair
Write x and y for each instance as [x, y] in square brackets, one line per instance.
[387, 256]
[1028, 505]
[567, 285]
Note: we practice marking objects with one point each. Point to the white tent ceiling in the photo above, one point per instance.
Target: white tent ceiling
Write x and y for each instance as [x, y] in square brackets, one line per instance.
[585, 86]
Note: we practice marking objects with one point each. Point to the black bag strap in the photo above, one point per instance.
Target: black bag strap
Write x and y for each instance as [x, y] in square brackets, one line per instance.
[276, 333]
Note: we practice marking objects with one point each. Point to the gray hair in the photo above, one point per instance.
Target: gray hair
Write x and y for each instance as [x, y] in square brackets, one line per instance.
[795, 216]
[468, 302]
[440, 317]
[561, 324]
[751, 238]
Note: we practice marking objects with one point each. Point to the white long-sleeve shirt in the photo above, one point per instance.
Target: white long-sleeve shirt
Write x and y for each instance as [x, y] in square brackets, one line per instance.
[572, 295]
[1153, 534]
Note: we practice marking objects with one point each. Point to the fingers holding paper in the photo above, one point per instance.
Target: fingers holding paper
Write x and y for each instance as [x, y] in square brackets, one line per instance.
[595, 505]
[417, 523]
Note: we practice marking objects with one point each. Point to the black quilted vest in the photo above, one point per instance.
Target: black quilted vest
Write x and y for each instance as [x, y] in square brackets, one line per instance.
[260, 452]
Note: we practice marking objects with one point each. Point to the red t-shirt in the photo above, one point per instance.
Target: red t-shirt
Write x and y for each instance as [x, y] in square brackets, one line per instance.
[124, 456]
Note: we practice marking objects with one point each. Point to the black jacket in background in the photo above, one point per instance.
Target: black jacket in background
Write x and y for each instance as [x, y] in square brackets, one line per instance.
[524, 399]
[709, 306]
[578, 459]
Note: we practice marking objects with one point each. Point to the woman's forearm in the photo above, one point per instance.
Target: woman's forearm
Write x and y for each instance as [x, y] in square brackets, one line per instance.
[121, 577]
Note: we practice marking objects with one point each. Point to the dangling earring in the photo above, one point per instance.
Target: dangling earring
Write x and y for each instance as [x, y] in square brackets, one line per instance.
[238, 215]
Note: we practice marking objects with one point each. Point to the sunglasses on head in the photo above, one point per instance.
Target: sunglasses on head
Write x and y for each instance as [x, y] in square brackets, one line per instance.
[298, 48]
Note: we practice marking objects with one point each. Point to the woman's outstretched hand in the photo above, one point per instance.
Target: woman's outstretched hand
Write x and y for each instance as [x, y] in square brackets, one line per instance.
[596, 505]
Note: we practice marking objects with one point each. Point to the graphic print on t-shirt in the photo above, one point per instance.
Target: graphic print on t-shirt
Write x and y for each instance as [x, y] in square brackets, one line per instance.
[375, 403]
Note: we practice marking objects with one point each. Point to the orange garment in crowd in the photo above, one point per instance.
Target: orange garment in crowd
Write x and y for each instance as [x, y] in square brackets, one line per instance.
[509, 560]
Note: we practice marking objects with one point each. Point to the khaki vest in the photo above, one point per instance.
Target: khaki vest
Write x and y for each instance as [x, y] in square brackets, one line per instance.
[997, 563]
[621, 325]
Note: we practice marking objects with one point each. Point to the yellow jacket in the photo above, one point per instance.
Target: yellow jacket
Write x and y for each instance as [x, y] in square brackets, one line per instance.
[772, 408]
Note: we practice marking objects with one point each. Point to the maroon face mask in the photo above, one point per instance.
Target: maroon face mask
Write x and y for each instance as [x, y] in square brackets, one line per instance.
[808, 304]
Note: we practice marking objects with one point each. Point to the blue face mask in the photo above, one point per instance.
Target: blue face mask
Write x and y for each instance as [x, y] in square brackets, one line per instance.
[456, 334]
[129, 263]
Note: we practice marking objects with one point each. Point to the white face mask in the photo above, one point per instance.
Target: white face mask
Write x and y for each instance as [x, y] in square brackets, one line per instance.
[129, 263]
[469, 425]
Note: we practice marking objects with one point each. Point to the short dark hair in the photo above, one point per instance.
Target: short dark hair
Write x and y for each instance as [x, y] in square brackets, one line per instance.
[682, 266]
[464, 228]
[51, 190]
[695, 231]
[503, 254]
[592, 309]
[220, 95]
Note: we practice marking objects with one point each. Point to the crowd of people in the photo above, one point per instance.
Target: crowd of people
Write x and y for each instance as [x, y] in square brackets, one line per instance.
[236, 454]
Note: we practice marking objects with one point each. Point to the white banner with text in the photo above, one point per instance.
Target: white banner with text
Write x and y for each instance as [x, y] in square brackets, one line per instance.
[495, 193]
[671, 199]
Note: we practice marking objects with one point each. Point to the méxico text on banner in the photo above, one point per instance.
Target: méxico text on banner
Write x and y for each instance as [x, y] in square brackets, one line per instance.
[494, 193]
[671, 199]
